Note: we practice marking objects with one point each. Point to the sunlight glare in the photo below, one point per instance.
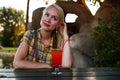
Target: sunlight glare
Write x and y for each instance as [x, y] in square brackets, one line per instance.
[75, 0]
[102, 0]
[93, 8]
[1, 28]
[70, 18]
[34, 4]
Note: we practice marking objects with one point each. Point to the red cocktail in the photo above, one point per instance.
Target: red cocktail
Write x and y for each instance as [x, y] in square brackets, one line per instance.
[56, 60]
[56, 57]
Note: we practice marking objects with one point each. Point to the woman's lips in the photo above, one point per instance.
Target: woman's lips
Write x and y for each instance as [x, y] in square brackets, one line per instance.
[46, 24]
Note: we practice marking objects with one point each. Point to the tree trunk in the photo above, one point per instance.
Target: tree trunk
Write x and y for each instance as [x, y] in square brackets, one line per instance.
[105, 12]
[84, 16]
[27, 14]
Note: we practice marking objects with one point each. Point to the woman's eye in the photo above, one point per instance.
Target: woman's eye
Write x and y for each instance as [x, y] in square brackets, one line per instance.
[55, 18]
[46, 14]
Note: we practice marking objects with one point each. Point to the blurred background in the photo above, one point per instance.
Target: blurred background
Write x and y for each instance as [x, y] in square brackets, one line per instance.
[94, 25]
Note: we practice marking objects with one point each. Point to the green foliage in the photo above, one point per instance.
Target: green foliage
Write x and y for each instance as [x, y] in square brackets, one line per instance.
[0, 38]
[8, 50]
[107, 38]
[13, 23]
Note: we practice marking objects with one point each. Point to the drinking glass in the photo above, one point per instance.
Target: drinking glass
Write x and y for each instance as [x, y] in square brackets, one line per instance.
[56, 60]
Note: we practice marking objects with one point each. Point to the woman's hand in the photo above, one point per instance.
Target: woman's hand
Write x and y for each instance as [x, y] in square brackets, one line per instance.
[63, 30]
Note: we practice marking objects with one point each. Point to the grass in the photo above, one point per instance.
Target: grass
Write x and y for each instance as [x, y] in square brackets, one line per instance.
[9, 50]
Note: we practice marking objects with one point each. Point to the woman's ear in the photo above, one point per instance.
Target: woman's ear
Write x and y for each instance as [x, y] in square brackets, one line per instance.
[61, 24]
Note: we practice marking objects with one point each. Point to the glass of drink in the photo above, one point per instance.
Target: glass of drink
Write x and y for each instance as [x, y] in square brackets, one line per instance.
[56, 60]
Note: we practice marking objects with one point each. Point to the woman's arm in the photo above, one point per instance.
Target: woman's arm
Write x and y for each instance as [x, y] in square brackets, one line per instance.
[67, 55]
[20, 62]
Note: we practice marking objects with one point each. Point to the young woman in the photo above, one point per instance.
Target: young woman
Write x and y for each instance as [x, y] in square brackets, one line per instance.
[35, 48]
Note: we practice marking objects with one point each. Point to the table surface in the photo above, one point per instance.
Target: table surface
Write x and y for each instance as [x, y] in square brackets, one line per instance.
[106, 73]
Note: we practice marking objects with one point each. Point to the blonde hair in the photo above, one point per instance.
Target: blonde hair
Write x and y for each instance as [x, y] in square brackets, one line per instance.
[60, 10]
[57, 37]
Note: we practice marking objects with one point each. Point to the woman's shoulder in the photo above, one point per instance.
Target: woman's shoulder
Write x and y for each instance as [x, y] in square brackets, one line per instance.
[29, 33]
[28, 36]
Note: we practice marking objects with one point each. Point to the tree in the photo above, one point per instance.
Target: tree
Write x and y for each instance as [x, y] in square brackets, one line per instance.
[27, 13]
[107, 38]
[106, 34]
[13, 23]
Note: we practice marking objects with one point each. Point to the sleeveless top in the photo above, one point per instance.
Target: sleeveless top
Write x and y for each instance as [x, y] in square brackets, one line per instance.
[42, 54]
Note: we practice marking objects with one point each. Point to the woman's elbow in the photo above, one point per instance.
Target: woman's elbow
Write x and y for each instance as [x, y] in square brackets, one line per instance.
[16, 64]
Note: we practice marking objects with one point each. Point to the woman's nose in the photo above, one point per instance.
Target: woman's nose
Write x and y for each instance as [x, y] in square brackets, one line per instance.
[48, 19]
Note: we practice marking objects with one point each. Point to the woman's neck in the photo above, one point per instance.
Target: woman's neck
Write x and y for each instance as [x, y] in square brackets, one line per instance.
[45, 35]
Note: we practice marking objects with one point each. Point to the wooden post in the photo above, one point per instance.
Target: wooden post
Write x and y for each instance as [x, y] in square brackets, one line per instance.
[27, 14]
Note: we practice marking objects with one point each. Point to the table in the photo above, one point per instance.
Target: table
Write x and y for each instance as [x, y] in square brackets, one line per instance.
[105, 73]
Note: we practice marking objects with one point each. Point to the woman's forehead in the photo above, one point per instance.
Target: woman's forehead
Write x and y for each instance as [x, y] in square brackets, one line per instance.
[52, 10]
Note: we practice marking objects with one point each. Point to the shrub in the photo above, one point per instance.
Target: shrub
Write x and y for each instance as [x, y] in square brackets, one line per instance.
[107, 41]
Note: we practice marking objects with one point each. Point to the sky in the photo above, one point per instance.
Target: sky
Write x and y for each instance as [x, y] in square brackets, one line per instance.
[22, 5]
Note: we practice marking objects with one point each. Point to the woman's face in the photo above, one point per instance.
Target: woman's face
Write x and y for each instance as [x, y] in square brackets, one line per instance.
[50, 19]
